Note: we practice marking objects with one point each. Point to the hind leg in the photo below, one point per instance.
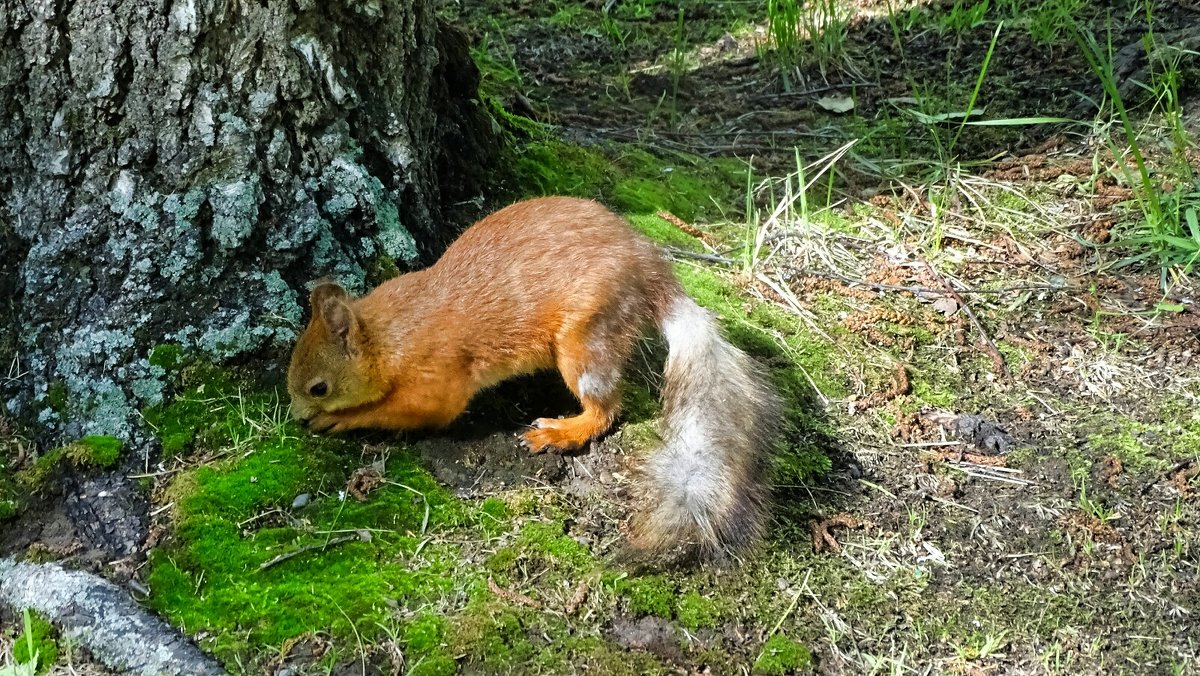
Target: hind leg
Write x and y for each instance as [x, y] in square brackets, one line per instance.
[591, 366]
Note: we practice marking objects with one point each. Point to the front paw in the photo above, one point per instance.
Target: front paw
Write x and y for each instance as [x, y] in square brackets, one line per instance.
[324, 422]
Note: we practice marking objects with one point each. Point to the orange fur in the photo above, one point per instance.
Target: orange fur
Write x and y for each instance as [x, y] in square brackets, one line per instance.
[562, 283]
[547, 282]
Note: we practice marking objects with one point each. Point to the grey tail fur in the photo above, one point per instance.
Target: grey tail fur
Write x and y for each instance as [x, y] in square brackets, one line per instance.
[706, 489]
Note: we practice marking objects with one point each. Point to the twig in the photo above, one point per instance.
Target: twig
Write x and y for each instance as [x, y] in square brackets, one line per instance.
[974, 471]
[992, 350]
[515, 597]
[306, 548]
[991, 461]
[951, 503]
[818, 90]
[711, 258]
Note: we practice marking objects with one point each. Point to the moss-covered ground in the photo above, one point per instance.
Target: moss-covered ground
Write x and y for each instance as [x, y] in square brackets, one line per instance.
[991, 459]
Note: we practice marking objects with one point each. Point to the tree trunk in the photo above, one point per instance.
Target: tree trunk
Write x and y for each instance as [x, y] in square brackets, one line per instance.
[175, 170]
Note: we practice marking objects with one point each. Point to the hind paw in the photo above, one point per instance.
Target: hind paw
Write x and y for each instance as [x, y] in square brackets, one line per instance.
[552, 435]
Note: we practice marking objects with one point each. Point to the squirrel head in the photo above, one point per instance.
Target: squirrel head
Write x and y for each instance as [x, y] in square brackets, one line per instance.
[331, 367]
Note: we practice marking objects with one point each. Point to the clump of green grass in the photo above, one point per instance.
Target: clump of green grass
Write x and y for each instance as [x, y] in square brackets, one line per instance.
[35, 649]
[1168, 231]
[806, 33]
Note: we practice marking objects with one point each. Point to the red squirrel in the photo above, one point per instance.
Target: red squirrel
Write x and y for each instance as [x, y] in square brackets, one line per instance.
[554, 282]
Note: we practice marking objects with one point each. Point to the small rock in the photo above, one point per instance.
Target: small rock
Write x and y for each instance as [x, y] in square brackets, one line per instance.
[301, 501]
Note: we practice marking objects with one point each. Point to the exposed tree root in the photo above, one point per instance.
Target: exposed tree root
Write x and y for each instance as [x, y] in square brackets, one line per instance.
[97, 615]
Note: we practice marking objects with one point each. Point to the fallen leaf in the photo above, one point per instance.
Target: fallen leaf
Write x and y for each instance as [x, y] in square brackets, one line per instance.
[946, 305]
[836, 104]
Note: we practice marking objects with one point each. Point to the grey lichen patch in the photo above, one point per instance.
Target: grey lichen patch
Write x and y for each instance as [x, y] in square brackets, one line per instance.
[77, 360]
[396, 241]
[235, 211]
[352, 188]
[235, 330]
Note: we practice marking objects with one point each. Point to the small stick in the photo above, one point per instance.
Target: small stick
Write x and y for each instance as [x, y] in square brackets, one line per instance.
[515, 597]
[711, 258]
[992, 350]
[992, 461]
[306, 548]
[992, 477]
[951, 503]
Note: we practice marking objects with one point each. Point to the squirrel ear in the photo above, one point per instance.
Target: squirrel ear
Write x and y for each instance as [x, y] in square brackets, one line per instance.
[331, 303]
[340, 319]
[324, 290]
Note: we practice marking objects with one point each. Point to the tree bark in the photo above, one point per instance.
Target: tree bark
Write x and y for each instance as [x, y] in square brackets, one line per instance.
[175, 170]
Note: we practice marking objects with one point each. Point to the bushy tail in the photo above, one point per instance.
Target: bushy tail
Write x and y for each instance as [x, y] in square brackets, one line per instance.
[706, 489]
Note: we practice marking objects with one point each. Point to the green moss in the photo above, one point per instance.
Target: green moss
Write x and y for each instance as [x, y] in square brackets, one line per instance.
[933, 393]
[212, 577]
[57, 396]
[649, 595]
[382, 268]
[211, 411]
[781, 655]
[438, 664]
[36, 640]
[494, 508]
[557, 168]
[494, 635]
[630, 180]
[9, 508]
[542, 545]
[663, 232]
[37, 476]
[167, 356]
[1127, 445]
[520, 502]
[95, 451]
[424, 641]
[494, 515]
[695, 611]
[425, 634]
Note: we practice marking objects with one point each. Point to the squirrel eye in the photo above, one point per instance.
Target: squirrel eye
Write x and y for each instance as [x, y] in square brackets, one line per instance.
[319, 389]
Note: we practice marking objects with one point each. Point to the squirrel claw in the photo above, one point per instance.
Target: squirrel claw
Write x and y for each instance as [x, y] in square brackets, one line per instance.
[534, 440]
[322, 422]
